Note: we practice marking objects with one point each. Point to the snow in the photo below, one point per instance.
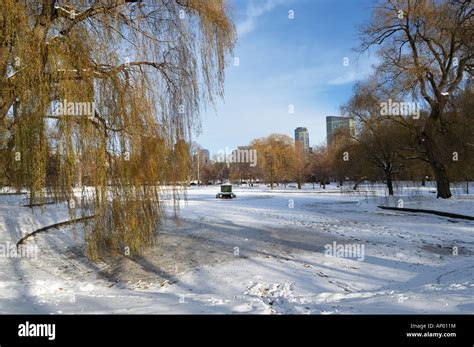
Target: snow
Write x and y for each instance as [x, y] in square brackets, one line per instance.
[262, 253]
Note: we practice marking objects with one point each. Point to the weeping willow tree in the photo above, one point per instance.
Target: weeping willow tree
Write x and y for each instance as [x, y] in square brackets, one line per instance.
[98, 101]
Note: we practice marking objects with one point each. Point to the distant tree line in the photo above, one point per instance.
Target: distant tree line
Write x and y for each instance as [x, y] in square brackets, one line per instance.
[414, 115]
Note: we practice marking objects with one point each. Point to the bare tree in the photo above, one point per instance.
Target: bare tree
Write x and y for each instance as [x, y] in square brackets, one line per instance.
[320, 165]
[379, 138]
[426, 49]
[301, 164]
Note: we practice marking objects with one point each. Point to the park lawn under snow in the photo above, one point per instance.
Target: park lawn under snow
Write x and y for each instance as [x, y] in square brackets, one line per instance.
[263, 252]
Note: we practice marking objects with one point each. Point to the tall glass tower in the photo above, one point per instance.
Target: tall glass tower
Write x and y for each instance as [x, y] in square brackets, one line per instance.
[335, 123]
[302, 135]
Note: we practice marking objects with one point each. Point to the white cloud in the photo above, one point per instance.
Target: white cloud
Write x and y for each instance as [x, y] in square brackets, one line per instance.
[323, 75]
[255, 10]
[348, 77]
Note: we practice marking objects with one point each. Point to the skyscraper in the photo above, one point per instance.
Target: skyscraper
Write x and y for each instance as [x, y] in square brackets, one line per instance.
[302, 135]
[334, 123]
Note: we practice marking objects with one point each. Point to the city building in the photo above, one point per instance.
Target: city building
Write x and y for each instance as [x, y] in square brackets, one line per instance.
[335, 123]
[206, 155]
[302, 136]
[202, 156]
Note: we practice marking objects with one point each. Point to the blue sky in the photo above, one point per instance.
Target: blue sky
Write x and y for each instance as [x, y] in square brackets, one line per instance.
[286, 62]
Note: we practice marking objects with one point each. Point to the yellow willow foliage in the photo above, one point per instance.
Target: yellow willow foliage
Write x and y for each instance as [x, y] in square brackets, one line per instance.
[98, 102]
[276, 155]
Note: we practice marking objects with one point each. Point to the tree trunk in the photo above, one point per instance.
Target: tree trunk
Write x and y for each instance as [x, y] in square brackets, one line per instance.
[434, 156]
[441, 176]
[359, 181]
[442, 182]
[271, 177]
[388, 177]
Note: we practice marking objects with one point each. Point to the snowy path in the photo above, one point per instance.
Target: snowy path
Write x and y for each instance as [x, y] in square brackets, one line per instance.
[260, 253]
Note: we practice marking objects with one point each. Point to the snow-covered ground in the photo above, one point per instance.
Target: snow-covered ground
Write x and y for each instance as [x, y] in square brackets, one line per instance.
[279, 251]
